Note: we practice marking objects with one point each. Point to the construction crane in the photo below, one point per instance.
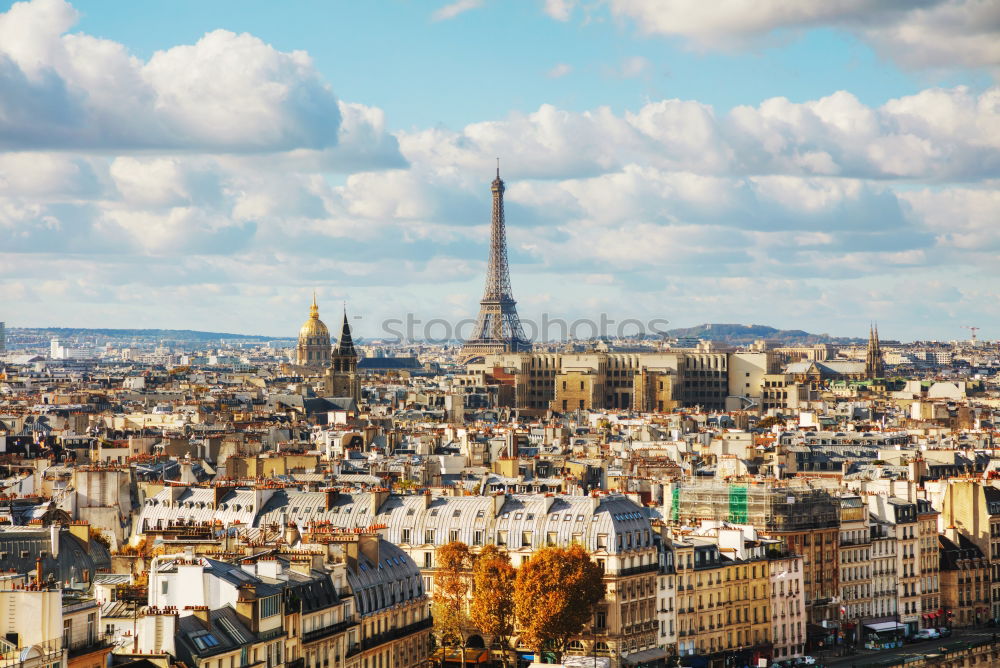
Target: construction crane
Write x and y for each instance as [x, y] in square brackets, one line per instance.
[973, 330]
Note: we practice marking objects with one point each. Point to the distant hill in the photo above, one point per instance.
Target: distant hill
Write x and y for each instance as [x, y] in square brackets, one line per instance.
[153, 334]
[741, 334]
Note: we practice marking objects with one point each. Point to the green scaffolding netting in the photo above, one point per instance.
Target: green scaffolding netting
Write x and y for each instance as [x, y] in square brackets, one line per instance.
[738, 504]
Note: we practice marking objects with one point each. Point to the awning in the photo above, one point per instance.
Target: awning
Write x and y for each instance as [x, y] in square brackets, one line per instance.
[885, 626]
[646, 656]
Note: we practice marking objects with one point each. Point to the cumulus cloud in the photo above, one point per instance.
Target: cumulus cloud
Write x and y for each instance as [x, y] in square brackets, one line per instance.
[915, 33]
[228, 168]
[226, 92]
[938, 134]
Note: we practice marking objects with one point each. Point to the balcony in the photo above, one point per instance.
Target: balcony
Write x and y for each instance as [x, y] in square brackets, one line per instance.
[637, 570]
[392, 634]
[327, 631]
[89, 646]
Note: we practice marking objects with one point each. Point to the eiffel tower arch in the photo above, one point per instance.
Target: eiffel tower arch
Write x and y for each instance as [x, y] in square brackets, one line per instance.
[498, 328]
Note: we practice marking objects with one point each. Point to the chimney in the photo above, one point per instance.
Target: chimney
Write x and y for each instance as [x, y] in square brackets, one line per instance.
[350, 548]
[369, 547]
[498, 500]
[54, 540]
[201, 612]
[292, 536]
[81, 531]
[331, 498]
[246, 606]
[377, 498]
[38, 571]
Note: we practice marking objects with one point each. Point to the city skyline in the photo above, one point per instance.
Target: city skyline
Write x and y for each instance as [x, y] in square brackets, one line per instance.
[196, 167]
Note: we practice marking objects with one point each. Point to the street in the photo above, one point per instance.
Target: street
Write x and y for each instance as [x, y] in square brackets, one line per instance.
[872, 657]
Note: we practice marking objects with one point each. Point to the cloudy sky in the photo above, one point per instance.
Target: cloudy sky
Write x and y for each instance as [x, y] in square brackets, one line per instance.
[206, 165]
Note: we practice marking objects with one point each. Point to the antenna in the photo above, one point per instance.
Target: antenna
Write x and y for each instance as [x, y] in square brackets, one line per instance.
[498, 167]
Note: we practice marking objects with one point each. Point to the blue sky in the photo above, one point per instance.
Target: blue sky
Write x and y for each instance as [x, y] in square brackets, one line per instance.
[495, 58]
[196, 165]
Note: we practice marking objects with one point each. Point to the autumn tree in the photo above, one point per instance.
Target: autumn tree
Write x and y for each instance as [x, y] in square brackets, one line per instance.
[449, 606]
[554, 597]
[492, 609]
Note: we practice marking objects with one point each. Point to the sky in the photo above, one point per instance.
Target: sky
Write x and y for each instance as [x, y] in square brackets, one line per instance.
[208, 165]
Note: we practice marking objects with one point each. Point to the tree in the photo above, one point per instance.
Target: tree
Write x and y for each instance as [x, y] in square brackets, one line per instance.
[493, 597]
[769, 421]
[449, 605]
[554, 597]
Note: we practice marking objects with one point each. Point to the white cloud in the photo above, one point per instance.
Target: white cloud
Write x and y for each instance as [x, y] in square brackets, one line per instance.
[560, 70]
[226, 92]
[560, 10]
[452, 10]
[916, 33]
[938, 134]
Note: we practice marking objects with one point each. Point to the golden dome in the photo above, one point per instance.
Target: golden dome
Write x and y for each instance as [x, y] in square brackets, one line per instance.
[313, 327]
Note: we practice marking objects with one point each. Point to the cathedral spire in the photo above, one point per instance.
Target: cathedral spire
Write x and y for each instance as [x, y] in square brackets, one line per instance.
[874, 363]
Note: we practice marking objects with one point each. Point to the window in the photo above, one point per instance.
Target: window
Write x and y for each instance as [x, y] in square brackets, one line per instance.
[428, 536]
[477, 538]
[525, 539]
[428, 559]
[406, 536]
[453, 535]
[269, 606]
[501, 537]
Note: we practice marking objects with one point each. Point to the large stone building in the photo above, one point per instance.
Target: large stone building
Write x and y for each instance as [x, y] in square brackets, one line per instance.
[641, 381]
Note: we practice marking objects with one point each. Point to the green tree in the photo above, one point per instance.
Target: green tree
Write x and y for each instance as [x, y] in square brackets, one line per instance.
[492, 610]
[554, 597]
[449, 605]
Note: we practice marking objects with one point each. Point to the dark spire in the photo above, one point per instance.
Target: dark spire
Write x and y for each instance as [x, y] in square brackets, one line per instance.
[345, 346]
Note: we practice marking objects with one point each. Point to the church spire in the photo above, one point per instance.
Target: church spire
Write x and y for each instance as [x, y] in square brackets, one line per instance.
[874, 364]
[345, 346]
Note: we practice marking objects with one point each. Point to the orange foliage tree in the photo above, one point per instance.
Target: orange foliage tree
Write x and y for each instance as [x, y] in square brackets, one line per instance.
[492, 609]
[554, 597]
[449, 606]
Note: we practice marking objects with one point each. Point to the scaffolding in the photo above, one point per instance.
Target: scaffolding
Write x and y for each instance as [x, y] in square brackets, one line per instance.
[767, 505]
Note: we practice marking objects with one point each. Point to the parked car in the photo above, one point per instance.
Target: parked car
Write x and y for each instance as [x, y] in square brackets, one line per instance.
[807, 661]
[944, 632]
[926, 634]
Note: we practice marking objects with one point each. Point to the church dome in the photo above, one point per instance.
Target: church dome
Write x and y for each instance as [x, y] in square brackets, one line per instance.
[313, 328]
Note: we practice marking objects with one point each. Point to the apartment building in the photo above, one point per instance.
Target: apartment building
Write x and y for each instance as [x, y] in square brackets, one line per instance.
[856, 565]
[788, 614]
[929, 564]
[900, 520]
[723, 601]
[615, 530]
[965, 583]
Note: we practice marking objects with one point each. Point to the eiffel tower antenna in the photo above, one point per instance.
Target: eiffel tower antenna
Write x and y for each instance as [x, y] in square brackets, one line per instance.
[498, 328]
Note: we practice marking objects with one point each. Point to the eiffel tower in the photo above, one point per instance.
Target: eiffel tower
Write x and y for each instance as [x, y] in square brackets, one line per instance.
[498, 329]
